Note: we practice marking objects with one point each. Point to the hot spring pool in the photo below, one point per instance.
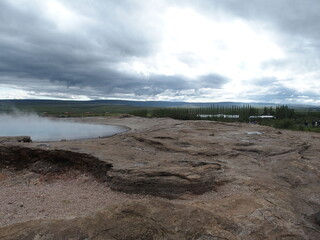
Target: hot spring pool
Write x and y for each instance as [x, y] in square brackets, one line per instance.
[44, 129]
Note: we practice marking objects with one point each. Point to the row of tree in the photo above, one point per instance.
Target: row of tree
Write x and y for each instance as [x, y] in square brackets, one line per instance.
[280, 112]
[216, 112]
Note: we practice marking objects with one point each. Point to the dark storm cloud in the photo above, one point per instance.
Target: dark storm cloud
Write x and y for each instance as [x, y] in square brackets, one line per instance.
[274, 91]
[271, 90]
[290, 16]
[282, 94]
[32, 47]
[34, 50]
[212, 81]
[39, 55]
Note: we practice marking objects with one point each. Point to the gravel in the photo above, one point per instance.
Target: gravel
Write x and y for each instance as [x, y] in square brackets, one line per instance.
[25, 195]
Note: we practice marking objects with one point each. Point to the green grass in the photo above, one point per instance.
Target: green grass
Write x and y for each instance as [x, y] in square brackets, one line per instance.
[67, 109]
[286, 118]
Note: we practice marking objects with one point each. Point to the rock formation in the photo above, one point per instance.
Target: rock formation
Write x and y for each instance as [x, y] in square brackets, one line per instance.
[180, 180]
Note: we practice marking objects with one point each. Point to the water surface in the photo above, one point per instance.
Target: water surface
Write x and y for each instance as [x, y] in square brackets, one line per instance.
[44, 129]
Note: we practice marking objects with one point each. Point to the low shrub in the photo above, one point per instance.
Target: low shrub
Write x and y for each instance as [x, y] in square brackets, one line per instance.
[284, 124]
[140, 113]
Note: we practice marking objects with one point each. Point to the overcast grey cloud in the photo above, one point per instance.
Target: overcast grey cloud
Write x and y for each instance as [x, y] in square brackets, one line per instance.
[161, 50]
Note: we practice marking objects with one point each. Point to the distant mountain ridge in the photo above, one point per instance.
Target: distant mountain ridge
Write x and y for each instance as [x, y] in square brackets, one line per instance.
[147, 103]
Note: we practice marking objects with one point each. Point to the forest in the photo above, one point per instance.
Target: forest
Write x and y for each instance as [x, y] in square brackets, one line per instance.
[284, 117]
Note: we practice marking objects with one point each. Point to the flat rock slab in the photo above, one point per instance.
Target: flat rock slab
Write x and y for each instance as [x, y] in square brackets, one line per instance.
[137, 220]
[196, 179]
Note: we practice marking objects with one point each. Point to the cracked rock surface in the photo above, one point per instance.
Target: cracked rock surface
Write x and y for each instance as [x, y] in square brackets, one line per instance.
[163, 179]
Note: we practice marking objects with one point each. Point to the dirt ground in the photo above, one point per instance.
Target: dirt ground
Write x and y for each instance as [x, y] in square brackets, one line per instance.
[163, 179]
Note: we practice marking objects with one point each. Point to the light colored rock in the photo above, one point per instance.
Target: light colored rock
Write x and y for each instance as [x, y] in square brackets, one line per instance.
[259, 186]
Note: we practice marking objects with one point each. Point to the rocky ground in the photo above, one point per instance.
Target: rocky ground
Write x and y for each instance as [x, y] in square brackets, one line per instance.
[163, 179]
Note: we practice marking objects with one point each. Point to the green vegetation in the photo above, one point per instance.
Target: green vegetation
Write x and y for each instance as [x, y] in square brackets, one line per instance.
[66, 108]
[210, 113]
[286, 118]
[140, 113]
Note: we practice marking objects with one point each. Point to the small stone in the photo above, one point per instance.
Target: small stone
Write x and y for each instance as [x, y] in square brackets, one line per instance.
[43, 145]
[193, 176]
[24, 139]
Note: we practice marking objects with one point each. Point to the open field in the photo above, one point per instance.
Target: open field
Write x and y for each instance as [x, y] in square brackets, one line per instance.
[292, 117]
[66, 108]
[163, 179]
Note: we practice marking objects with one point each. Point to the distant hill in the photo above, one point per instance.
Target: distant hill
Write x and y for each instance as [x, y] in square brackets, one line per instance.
[29, 102]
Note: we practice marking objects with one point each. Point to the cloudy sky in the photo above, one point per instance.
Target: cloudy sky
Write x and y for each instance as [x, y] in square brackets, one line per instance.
[177, 50]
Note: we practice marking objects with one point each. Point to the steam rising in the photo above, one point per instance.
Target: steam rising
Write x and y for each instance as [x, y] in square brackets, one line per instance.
[44, 129]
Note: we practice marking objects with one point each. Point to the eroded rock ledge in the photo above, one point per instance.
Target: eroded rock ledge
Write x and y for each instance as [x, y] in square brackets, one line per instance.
[186, 177]
[168, 183]
[51, 161]
[267, 184]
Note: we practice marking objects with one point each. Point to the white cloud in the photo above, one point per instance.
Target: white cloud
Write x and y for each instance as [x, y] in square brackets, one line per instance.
[204, 50]
[227, 46]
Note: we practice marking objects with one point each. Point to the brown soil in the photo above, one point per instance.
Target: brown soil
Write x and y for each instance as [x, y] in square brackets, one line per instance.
[163, 179]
